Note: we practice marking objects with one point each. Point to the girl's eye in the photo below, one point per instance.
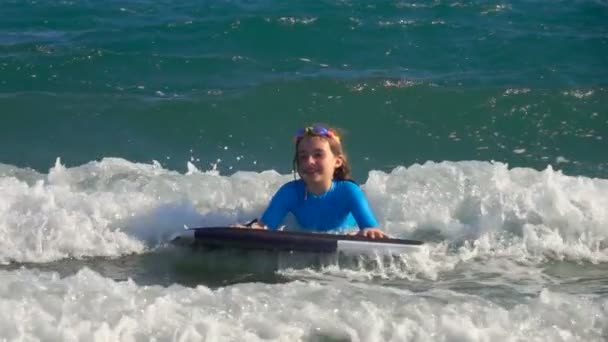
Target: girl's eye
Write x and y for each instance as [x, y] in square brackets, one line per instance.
[314, 155]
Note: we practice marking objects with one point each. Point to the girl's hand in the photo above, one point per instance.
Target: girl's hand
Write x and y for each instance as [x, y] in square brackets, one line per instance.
[372, 233]
[254, 224]
[257, 225]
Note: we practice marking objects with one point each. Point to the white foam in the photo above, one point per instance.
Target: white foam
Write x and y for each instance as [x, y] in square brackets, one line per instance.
[426, 263]
[579, 94]
[291, 21]
[87, 307]
[115, 207]
[477, 200]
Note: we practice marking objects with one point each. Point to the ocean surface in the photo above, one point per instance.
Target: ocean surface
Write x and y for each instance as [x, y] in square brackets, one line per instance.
[480, 127]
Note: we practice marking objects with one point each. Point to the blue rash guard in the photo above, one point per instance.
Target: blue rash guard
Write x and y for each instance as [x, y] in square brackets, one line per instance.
[342, 206]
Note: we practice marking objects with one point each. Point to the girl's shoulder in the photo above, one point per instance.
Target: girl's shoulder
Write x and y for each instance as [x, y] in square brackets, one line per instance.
[347, 185]
[293, 185]
[289, 192]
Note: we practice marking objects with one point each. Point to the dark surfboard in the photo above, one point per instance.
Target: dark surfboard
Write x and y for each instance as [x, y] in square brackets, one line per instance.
[246, 238]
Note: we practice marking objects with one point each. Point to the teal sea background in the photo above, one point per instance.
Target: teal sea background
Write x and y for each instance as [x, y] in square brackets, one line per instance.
[518, 82]
[480, 127]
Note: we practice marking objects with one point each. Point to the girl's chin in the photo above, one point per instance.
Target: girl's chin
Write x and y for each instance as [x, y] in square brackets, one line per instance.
[314, 178]
[311, 178]
[309, 174]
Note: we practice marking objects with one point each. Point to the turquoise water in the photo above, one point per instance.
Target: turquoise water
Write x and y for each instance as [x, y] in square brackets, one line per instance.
[480, 127]
[519, 82]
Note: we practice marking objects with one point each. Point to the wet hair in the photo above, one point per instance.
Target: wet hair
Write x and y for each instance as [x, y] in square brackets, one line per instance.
[335, 146]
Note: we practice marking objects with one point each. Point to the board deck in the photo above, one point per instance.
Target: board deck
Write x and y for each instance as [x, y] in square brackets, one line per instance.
[246, 238]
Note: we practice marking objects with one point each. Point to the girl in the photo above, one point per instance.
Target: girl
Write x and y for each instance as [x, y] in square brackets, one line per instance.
[324, 198]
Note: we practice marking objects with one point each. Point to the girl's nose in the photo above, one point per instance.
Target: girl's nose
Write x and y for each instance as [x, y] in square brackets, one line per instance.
[309, 160]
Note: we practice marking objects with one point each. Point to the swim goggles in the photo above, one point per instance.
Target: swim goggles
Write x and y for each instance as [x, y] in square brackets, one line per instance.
[316, 131]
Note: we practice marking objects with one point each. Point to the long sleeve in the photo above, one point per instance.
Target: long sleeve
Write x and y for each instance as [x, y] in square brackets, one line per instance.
[360, 208]
[279, 206]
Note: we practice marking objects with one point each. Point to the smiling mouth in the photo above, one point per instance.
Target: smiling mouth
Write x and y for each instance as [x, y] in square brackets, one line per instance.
[311, 172]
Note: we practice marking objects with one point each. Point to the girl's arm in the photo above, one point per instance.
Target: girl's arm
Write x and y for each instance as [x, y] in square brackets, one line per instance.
[362, 212]
[279, 207]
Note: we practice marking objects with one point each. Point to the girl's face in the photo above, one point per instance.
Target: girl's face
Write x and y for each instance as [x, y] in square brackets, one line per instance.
[316, 161]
